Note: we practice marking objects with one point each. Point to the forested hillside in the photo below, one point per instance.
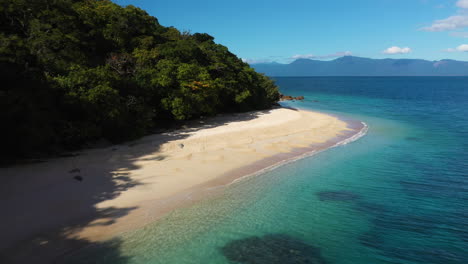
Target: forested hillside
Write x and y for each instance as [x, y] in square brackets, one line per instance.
[76, 71]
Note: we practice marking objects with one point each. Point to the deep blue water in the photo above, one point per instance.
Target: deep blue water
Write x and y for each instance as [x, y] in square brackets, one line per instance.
[425, 219]
[397, 195]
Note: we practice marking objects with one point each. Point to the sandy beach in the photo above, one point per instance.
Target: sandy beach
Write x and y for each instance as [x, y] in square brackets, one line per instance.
[126, 186]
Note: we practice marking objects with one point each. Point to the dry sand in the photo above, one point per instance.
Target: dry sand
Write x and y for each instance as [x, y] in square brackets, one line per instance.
[126, 186]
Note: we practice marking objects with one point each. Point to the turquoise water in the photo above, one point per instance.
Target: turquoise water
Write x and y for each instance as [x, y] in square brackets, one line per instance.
[397, 195]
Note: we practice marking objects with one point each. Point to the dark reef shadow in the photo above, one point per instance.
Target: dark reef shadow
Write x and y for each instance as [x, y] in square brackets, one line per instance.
[387, 221]
[272, 249]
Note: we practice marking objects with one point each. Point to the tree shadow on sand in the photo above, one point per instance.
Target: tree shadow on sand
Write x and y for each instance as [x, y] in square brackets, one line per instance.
[51, 234]
[45, 204]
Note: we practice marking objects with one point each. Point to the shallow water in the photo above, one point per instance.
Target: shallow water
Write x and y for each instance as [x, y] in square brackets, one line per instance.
[397, 195]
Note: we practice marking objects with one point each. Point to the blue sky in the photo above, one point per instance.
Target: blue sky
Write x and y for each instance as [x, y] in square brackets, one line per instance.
[282, 30]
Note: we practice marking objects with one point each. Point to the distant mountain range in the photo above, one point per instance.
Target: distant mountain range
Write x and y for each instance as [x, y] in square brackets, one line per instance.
[357, 66]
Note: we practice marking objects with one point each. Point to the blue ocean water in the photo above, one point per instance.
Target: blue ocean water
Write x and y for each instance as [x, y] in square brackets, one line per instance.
[397, 195]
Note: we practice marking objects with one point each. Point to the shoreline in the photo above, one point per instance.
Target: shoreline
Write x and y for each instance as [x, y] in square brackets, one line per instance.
[145, 210]
[160, 207]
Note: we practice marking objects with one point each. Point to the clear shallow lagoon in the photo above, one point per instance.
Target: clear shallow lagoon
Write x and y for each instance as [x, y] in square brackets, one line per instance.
[397, 195]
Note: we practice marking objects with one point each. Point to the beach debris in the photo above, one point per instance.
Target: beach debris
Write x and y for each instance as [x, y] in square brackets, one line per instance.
[78, 178]
[74, 170]
[337, 196]
[181, 145]
[272, 249]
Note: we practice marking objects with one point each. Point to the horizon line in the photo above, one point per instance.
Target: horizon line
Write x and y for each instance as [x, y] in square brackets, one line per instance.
[312, 59]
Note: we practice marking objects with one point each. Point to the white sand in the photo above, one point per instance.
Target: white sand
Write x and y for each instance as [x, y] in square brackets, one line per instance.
[123, 184]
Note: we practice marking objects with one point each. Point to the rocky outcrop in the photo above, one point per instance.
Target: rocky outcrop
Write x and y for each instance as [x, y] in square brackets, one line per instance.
[290, 98]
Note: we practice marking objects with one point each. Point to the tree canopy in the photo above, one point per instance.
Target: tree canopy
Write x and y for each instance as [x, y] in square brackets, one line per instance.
[76, 71]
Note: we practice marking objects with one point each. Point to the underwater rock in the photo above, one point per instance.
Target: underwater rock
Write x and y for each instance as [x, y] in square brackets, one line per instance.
[272, 249]
[337, 196]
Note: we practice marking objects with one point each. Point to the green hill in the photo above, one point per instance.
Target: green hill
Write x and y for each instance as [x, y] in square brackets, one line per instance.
[76, 71]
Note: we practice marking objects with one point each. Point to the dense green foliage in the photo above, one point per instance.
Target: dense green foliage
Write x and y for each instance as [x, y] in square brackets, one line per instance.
[75, 71]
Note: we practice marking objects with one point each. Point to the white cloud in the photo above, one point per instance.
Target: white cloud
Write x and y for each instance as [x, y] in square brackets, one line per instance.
[461, 48]
[454, 22]
[397, 50]
[462, 3]
[303, 56]
[336, 54]
[450, 50]
[450, 23]
[328, 56]
[459, 34]
[255, 61]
